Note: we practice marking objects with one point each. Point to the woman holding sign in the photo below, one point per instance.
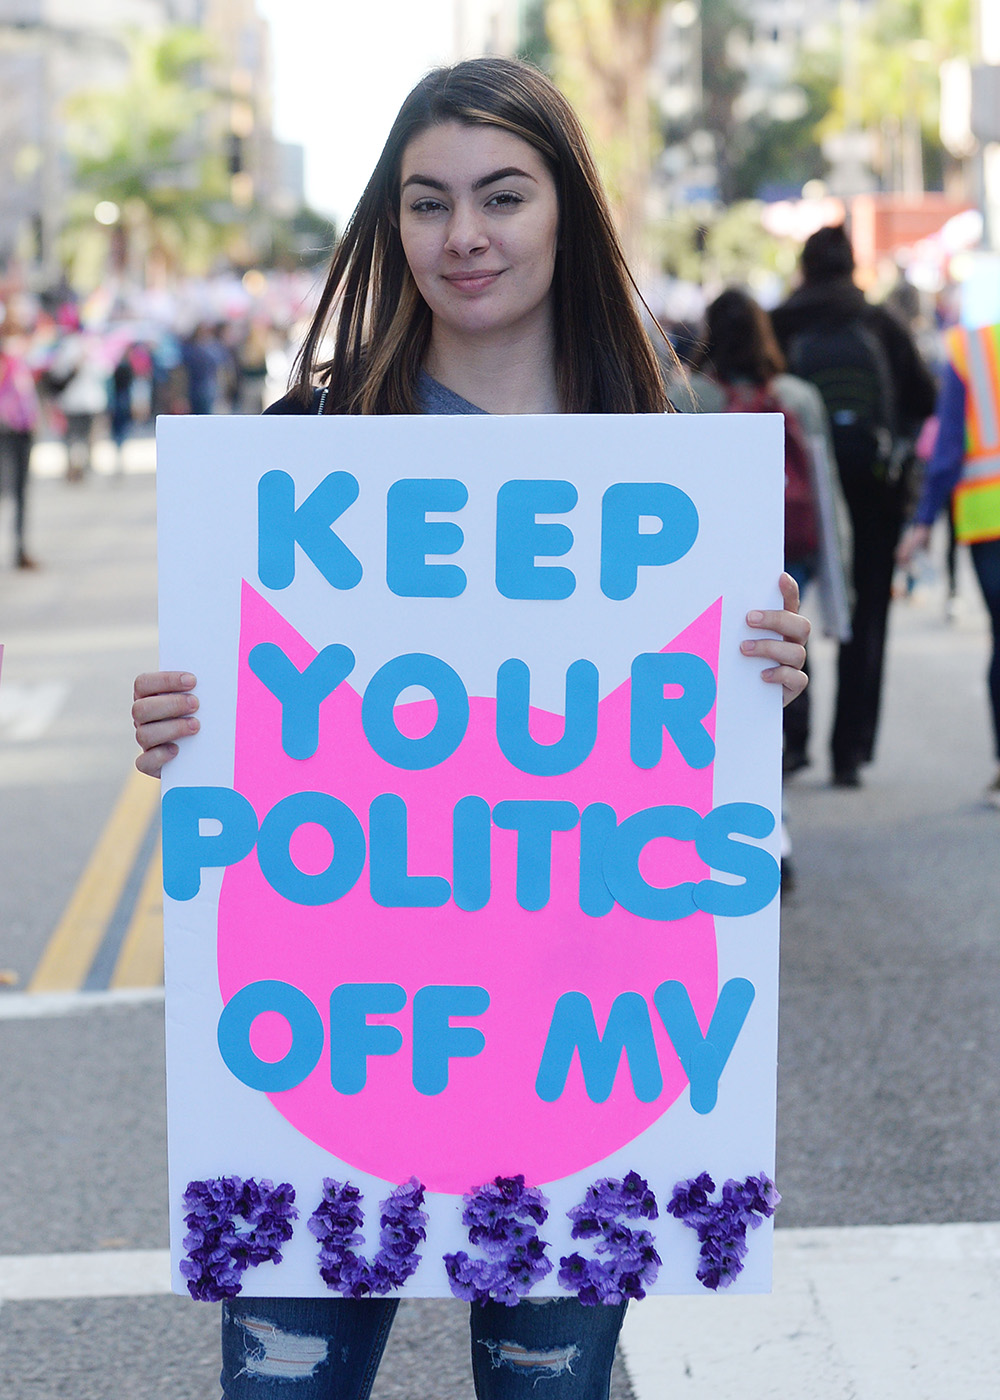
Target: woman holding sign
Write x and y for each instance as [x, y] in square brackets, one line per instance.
[480, 274]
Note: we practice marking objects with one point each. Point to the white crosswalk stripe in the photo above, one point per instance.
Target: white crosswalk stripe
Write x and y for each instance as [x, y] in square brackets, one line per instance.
[118, 1273]
[893, 1312]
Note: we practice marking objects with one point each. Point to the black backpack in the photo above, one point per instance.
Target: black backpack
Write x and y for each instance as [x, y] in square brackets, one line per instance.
[847, 363]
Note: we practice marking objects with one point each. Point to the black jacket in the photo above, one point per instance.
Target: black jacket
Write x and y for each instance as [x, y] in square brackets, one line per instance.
[815, 304]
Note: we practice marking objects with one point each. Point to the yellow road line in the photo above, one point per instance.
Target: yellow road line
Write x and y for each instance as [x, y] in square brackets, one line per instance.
[78, 935]
[140, 962]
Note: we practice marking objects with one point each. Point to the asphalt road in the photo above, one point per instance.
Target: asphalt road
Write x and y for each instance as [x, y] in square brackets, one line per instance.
[890, 1035]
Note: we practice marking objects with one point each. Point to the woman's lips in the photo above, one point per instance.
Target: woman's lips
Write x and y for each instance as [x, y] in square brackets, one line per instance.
[471, 281]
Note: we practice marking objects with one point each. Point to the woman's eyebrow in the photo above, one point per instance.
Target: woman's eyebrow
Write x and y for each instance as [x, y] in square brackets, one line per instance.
[490, 179]
[503, 174]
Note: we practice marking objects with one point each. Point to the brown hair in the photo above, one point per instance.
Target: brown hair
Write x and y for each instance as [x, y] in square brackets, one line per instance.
[740, 342]
[381, 324]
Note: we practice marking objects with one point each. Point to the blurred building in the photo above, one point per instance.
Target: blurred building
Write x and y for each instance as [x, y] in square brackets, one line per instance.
[487, 27]
[764, 52]
[241, 122]
[51, 49]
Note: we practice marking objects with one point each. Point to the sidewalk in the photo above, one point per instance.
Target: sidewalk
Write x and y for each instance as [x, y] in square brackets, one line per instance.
[48, 458]
[886, 1312]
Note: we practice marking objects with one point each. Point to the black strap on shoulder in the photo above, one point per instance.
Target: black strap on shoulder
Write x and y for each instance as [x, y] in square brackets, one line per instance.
[323, 396]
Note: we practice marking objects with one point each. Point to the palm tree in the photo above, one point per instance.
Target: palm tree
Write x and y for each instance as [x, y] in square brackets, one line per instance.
[603, 52]
[142, 148]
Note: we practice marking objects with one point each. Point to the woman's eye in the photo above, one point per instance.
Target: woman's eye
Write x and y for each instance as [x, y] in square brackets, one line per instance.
[426, 206]
[505, 198]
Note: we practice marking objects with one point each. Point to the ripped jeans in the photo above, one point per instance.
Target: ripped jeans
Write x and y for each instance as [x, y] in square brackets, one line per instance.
[330, 1348]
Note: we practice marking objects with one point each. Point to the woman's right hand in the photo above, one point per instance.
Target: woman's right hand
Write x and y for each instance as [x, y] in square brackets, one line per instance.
[162, 712]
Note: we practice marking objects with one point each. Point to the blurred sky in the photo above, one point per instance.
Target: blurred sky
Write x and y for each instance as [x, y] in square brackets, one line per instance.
[342, 68]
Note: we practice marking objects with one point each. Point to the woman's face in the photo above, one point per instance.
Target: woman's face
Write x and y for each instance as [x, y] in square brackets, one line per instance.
[479, 222]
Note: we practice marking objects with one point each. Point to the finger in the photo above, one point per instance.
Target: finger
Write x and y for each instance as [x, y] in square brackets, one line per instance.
[789, 591]
[152, 762]
[160, 707]
[790, 625]
[786, 653]
[792, 681]
[152, 736]
[161, 683]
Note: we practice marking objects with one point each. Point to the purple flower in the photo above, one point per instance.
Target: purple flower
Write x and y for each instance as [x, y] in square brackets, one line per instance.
[501, 1217]
[722, 1225]
[233, 1225]
[630, 1262]
[337, 1222]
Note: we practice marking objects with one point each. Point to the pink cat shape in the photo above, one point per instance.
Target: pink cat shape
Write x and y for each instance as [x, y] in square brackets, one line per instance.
[489, 1120]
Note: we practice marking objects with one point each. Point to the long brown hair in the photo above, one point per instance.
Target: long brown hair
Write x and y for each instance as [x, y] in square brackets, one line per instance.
[740, 342]
[381, 324]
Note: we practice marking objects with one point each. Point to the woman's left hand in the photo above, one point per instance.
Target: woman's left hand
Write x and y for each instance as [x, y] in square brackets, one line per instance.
[789, 651]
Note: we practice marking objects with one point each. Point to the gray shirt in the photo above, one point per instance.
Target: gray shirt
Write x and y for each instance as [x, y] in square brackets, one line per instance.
[435, 398]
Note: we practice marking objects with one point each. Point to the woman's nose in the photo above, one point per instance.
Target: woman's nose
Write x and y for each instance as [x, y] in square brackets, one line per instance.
[466, 232]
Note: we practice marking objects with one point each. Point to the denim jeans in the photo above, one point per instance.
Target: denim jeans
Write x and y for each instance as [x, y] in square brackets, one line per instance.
[330, 1348]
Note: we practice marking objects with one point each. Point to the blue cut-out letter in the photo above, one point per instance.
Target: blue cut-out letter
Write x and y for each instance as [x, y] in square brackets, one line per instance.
[352, 1039]
[186, 853]
[391, 885]
[280, 526]
[534, 823]
[704, 1057]
[624, 547]
[436, 1041]
[579, 728]
[384, 689]
[573, 1028]
[472, 827]
[274, 855]
[598, 823]
[621, 863]
[300, 692]
[521, 539]
[304, 1021]
[758, 868]
[681, 716]
[410, 537]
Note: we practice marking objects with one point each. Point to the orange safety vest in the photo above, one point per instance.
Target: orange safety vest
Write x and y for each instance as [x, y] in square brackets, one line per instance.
[975, 355]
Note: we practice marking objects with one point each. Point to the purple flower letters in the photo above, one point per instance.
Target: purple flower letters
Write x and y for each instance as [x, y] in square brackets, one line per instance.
[501, 1218]
[722, 1225]
[337, 1222]
[234, 1225]
[629, 1257]
[219, 1249]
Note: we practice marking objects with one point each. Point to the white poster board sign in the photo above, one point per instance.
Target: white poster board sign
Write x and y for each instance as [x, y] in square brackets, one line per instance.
[472, 871]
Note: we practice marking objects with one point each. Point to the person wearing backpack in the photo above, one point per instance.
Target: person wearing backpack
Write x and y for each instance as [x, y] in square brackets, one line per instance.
[877, 392]
[740, 369]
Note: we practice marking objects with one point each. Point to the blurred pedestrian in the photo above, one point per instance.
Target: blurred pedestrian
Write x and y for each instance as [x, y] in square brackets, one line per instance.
[965, 468]
[77, 374]
[18, 420]
[122, 384]
[877, 393]
[203, 356]
[252, 358]
[740, 368]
